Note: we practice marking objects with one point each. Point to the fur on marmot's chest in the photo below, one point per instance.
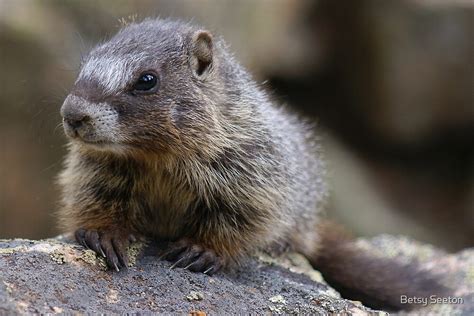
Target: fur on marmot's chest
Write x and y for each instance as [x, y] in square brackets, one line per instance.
[160, 205]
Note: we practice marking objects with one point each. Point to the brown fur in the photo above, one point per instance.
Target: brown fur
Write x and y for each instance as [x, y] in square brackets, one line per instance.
[206, 162]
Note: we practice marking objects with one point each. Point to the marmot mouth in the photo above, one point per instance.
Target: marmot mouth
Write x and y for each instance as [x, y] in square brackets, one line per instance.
[85, 138]
[93, 142]
[100, 145]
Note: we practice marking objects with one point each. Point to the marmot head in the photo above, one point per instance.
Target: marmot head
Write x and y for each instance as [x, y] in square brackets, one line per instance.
[147, 88]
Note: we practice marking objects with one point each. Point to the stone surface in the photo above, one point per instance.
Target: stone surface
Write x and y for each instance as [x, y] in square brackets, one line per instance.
[56, 276]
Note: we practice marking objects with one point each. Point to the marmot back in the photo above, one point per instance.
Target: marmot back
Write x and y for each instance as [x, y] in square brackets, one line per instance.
[171, 139]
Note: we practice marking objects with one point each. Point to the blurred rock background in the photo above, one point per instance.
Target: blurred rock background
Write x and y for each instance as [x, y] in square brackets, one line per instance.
[391, 82]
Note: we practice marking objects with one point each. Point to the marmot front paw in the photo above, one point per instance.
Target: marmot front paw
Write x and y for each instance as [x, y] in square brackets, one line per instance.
[112, 244]
[192, 256]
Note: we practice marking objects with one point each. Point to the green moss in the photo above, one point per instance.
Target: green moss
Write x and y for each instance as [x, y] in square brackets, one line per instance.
[58, 257]
[134, 251]
[195, 296]
[90, 257]
[9, 251]
[470, 275]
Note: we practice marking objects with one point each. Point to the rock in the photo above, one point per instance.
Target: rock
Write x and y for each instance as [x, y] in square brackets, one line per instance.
[57, 276]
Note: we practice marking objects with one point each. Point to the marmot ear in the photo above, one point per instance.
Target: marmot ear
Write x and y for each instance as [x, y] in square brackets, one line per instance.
[201, 53]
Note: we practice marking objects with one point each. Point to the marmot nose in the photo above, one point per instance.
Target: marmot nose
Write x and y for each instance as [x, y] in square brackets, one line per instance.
[76, 121]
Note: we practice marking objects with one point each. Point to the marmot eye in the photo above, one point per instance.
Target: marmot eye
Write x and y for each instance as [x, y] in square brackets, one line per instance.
[146, 82]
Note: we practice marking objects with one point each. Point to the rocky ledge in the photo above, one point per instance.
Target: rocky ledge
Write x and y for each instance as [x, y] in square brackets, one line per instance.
[58, 276]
